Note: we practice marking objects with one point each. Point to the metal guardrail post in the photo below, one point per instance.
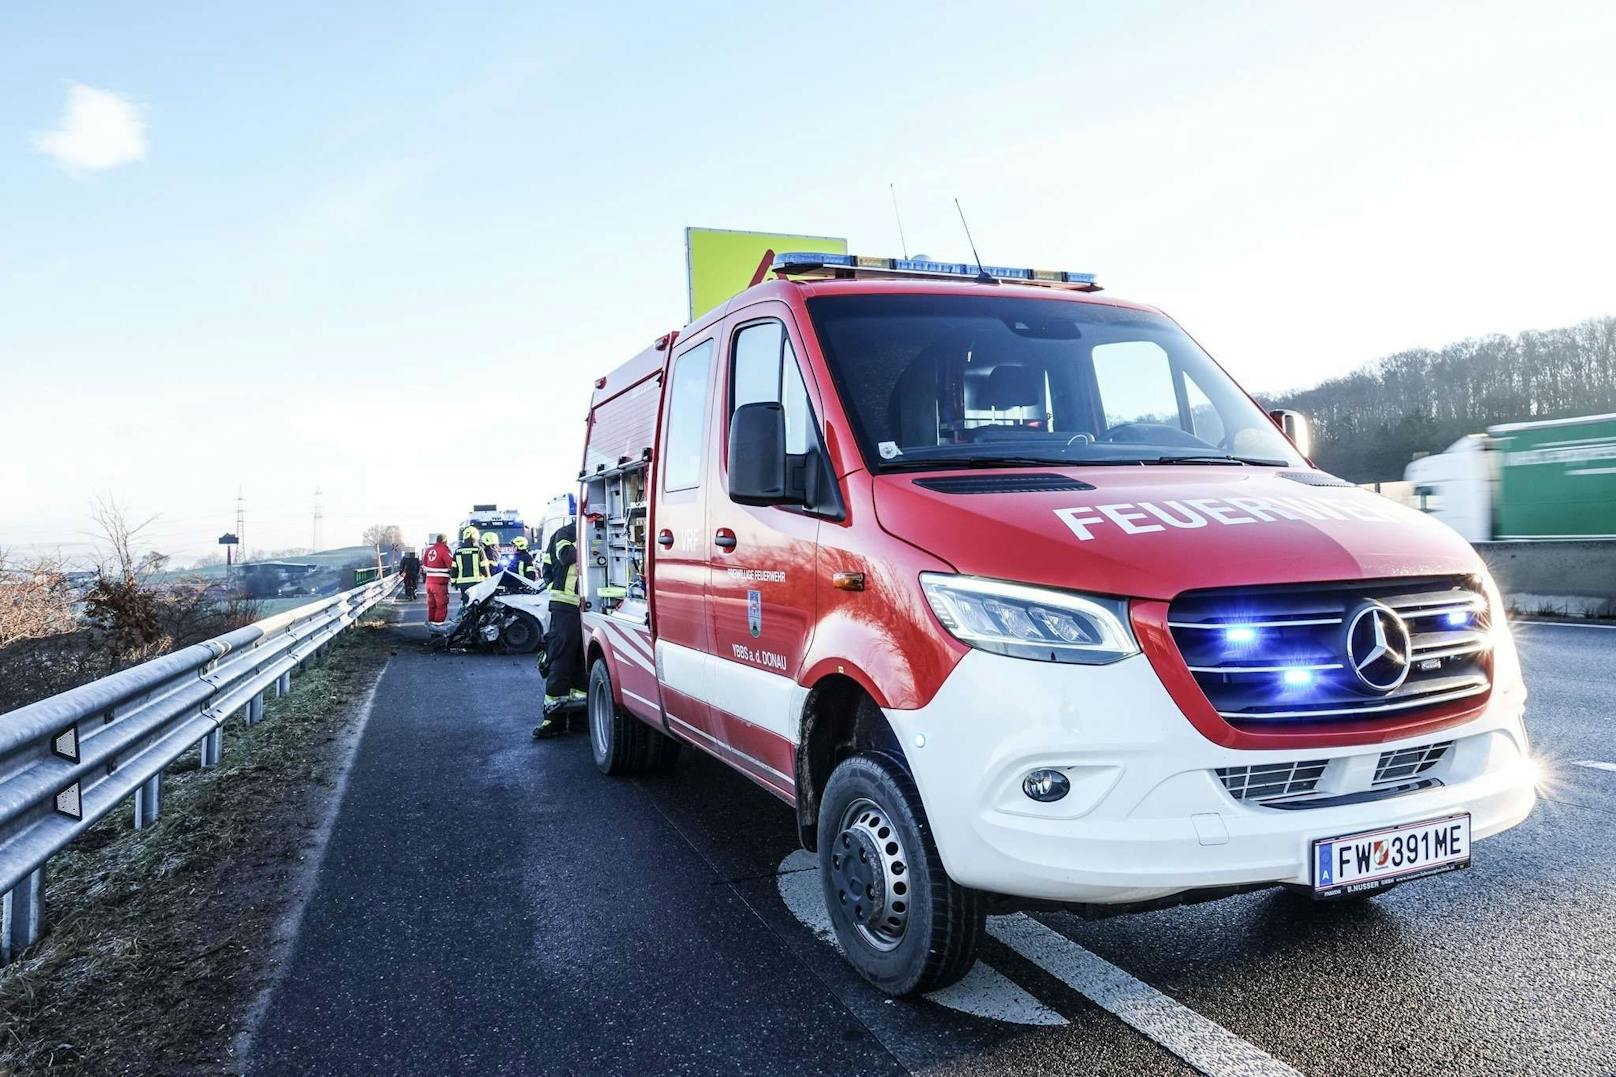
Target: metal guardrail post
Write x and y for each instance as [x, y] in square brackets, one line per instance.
[148, 801]
[283, 684]
[22, 915]
[255, 709]
[212, 748]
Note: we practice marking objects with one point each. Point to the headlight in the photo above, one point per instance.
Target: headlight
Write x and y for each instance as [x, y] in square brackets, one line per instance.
[1030, 622]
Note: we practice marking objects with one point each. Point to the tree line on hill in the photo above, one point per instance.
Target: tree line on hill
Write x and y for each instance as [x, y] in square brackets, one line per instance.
[1369, 424]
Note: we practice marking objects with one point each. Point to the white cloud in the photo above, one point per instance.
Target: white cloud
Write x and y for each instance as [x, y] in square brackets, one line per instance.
[99, 130]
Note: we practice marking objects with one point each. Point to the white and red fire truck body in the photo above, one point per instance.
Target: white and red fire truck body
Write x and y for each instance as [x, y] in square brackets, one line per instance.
[1126, 648]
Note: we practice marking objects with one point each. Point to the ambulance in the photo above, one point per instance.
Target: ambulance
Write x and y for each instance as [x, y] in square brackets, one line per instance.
[1016, 599]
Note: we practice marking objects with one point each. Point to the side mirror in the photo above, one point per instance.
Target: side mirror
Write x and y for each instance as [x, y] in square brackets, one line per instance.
[1296, 427]
[757, 454]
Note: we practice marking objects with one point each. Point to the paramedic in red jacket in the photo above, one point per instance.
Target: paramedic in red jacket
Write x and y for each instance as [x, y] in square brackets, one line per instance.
[436, 562]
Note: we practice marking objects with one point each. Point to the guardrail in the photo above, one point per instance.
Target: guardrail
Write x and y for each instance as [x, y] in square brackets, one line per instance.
[68, 760]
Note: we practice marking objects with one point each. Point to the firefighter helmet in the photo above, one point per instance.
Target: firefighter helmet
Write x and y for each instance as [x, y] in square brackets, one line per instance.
[490, 539]
[520, 542]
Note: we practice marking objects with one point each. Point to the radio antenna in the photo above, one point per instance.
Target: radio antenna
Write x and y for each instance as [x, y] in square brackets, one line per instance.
[981, 274]
[904, 243]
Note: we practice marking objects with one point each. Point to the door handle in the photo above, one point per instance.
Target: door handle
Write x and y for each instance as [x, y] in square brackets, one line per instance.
[725, 539]
[664, 538]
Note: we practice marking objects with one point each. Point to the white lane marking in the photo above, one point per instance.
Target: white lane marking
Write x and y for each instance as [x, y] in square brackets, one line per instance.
[1595, 764]
[984, 992]
[1556, 624]
[1204, 1044]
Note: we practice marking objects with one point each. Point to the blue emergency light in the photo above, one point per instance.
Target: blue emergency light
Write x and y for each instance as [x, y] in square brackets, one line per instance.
[798, 263]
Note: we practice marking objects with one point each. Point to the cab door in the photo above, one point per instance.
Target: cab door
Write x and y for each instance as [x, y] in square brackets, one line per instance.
[762, 592]
[679, 547]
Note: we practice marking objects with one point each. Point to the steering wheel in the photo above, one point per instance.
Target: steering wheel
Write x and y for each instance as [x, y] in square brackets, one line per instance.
[1153, 434]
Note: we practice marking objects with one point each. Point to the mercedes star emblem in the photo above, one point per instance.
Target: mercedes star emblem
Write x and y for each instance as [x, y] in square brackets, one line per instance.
[1378, 647]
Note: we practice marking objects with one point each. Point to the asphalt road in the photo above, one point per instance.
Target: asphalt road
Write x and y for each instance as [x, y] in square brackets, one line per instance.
[489, 904]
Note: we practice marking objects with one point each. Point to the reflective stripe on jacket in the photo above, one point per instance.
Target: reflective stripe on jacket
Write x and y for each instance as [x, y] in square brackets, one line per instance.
[470, 566]
[565, 592]
[437, 560]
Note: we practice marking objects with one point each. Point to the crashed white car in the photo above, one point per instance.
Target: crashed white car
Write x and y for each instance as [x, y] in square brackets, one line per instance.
[504, 613]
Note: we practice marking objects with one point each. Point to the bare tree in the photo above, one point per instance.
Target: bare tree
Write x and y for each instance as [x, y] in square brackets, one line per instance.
[42, 650]
[384, 536]
[121, 602]
[115, 529]
[35, 601]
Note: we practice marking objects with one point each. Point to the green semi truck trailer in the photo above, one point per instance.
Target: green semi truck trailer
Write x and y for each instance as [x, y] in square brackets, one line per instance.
[1551, 479]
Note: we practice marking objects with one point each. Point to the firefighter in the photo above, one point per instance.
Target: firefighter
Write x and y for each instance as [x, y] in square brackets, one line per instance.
[436, 562]
[564, 643]
[490, 541]
[567, 533]
[470, 567]
[522, 562]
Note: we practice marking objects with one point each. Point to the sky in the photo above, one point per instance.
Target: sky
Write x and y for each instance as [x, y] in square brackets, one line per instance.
[382, 250]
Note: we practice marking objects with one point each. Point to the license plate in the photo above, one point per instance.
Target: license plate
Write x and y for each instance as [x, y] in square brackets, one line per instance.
[1355, 863]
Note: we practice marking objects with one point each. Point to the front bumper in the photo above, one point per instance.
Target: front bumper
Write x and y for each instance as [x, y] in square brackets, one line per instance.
[1147, 816]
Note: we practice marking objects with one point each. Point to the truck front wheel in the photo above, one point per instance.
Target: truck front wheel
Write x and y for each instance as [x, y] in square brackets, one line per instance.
[620, 742]
[901, 921]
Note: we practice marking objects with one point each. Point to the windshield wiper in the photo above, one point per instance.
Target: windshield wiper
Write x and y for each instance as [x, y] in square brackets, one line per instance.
[944, 463]
[1219, 459]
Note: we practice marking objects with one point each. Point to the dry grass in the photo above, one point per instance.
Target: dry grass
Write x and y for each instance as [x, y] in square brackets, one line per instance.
[157, 939]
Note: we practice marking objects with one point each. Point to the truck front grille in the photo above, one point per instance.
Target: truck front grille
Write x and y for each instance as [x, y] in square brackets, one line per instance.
[1405, 763]
[1270, 781]
[1299, 654]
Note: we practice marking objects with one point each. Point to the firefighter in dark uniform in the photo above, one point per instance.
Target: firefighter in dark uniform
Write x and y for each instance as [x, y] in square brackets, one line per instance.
[470, 566]
[564, 644]
[567, 533]
[522, 562]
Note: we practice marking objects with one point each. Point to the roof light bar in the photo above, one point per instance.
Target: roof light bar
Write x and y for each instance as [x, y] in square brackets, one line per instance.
[813, 264]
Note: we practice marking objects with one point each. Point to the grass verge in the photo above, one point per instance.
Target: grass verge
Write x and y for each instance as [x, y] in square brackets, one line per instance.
[157, 940]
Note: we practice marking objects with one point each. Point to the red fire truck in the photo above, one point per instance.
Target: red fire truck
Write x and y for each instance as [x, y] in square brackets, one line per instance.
[1013, 595]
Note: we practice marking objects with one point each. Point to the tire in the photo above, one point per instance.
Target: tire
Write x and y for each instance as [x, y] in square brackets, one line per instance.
[871, 806]
[620, 742]
[521, 636]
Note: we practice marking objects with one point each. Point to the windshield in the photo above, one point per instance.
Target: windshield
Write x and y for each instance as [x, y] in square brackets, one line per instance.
[505, 531]
[934, 381]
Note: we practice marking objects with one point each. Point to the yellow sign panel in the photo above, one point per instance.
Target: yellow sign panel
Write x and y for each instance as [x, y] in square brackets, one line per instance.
[722, 263]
